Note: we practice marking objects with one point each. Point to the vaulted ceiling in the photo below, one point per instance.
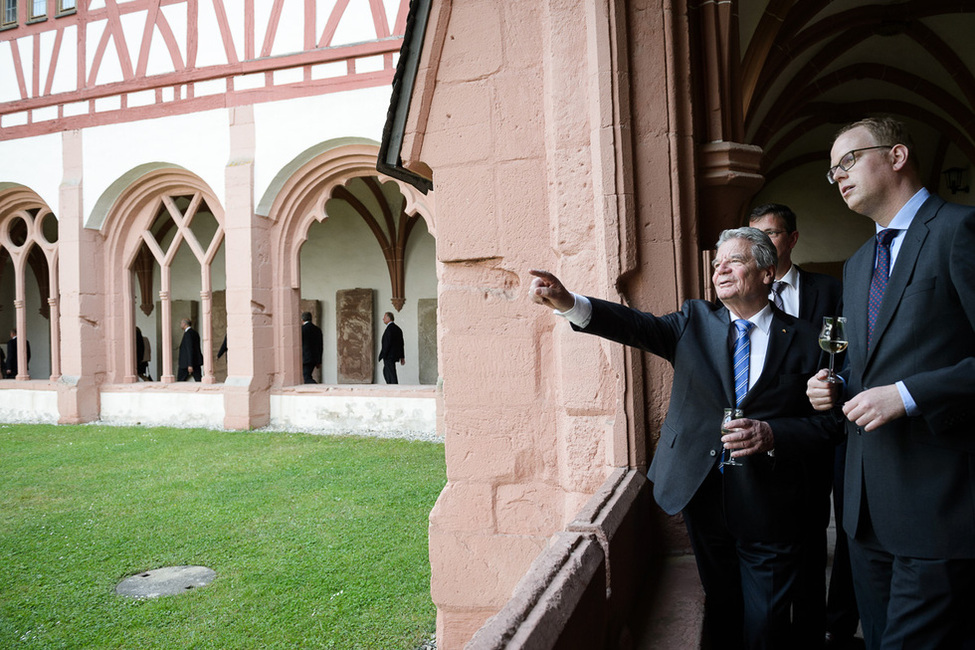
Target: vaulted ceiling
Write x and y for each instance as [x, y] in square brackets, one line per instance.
[809, 66]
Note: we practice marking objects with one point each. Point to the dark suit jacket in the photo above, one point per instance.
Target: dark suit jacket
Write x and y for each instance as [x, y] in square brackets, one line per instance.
[311, 344]
[918, 472]
[819, 295]
[392, 348]
[767, 499]
[190, 353]
[11, 361]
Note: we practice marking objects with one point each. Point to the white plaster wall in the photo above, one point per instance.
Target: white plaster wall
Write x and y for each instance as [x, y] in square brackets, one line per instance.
[198, 142]
[163, 408]
[18, 405]
[354, 414]
[287, 128]
[35, 163]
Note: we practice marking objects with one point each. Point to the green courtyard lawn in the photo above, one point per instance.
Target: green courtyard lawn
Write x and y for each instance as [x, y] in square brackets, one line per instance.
[317, 542]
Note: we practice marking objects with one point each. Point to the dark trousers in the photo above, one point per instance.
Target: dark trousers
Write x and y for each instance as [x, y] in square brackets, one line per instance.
[389, 371]
[842, 616]
[183, 374]
[307, 369]
[809, 616]
[910, 602]
[749, 586]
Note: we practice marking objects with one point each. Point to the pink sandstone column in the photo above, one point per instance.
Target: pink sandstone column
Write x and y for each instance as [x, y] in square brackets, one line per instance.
[250, 358]
[82, 295]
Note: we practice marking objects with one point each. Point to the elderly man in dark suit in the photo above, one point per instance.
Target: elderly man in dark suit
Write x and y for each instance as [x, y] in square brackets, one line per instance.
[909, 300]
[311, 347]
[190, 353]
[810, 296]
[746, 523]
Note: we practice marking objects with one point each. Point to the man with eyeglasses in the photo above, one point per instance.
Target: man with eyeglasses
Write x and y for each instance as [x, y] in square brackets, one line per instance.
[810, 296]
[797, 292]
[909, 396]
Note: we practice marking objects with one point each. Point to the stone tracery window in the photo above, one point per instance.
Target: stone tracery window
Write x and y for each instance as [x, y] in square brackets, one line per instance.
[183, 240]
[28, 276]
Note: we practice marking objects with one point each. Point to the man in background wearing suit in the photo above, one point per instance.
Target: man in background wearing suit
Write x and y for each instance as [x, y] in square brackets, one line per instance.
[311, 347]
[909, 300]
[746, 523]
[11, 369]
[810, 296]
[190, 353]
[392, 349]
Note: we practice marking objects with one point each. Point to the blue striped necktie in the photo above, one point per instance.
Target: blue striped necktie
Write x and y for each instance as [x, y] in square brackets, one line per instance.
[742, 352]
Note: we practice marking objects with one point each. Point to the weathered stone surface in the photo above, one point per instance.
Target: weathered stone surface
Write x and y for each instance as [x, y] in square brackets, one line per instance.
[166, 581]
[355, 338]
[426, 319]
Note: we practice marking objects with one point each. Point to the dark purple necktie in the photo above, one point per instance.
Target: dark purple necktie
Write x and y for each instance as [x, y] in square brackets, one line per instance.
[879, 281]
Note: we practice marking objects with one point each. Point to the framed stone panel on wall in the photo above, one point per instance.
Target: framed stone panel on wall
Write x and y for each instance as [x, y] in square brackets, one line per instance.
[355, 339]
[426, 320]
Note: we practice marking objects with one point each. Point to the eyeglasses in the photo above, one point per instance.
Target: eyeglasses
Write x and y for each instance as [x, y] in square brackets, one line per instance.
[849, 159]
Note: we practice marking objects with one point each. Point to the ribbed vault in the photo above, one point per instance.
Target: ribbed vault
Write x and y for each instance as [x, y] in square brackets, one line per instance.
[809, 66]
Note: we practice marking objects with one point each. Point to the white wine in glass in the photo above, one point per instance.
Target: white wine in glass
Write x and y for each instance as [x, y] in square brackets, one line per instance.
[832, 339]
[729, 415]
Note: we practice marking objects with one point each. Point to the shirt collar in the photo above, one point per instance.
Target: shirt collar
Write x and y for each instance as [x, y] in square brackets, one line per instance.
[761, 320]
[902, 220]
[791, 277]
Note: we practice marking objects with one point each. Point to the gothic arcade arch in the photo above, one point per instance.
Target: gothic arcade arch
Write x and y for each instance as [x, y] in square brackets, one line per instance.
[297, 200]
[158, 224]
[29, 242]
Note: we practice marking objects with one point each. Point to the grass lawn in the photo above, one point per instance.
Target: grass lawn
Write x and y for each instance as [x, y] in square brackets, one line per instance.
[317, 542]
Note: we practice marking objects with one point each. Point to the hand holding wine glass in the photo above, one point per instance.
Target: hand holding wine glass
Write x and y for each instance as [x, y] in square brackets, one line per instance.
[729, 415]
[832, 339]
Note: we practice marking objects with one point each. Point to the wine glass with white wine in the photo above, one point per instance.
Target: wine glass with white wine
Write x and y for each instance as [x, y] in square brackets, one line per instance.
[729, 415]
[832, 339]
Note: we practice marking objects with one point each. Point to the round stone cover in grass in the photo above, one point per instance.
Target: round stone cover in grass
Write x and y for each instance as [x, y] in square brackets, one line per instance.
[166, 581]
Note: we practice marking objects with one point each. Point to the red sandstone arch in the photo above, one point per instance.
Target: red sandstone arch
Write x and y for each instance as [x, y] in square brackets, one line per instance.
[125, 215]
[295, 200]
[19, 204]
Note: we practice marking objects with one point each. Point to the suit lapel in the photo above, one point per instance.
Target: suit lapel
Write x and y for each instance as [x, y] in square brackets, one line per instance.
[904, 265]
[807, 294]
[718, 349]
[856, 294]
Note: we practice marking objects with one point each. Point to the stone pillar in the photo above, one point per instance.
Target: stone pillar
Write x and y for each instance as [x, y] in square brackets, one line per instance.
[247, 396]
[355, 342]
[83, 345]
[535, 415]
